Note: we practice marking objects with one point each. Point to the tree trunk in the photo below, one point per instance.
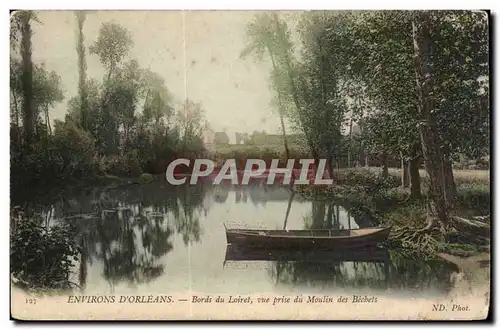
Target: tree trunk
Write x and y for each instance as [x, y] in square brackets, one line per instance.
[329, 217]
[385, 167]
[16, 116]
[405, 171]
[16, 108]
[338, 216]
[428, 128]
[330, 166]
[280, 105]
[349, 153]
[47, 119]
[367, 161]
[295, 95]
[415, 190]
[450, 190]
[318, 214]
[126, 129]
[27, 79]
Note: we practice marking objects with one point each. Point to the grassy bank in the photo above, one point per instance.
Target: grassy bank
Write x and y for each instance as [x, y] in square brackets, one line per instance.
[241, 153]
[460, 176]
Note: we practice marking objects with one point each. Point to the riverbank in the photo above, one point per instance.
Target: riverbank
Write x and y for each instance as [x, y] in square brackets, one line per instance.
[91, 181]
[383, 202]
[194, 212]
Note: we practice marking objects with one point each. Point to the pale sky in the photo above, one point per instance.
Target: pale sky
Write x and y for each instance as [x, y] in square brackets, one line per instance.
[234, 92]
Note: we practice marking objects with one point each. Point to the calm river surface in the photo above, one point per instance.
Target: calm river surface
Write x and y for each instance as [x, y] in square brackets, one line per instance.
[156, 238]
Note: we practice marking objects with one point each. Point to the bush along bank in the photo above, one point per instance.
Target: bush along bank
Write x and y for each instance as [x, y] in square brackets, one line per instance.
[42, 256]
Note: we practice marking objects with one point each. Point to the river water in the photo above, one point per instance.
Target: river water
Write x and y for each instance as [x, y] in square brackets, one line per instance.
[155, 238]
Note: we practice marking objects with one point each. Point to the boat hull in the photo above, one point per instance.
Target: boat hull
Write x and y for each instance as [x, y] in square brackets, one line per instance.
[237, 253]
[370, 240]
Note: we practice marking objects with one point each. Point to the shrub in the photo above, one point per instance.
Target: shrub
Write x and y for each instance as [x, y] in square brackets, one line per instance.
[73, 149]
[145, 178]
[41, 257]
[110, 164]
[121, 166]
[132, 164]
[368, 179]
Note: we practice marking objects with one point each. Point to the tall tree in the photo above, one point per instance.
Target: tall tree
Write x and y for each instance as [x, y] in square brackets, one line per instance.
[112, 46]
[190, 119]
[323, 82]
[284, 55]
[431, 146]
[82, 67]
[157, 98]
[16, 96]
[93, 109]
[460, 58]
[262, 37]
[27, 76]
[384, 56]
[46, 92]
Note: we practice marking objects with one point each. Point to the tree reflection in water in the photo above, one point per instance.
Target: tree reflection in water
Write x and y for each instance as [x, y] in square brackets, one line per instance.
[130, 230]
[187, 221]
[396, 273]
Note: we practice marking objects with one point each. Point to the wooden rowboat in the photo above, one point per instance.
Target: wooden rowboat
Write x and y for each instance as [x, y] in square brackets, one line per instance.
[307, 239]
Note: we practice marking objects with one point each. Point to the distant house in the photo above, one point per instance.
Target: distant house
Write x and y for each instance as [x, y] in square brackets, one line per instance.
[208, 136]
[221, 138]
[241, 138]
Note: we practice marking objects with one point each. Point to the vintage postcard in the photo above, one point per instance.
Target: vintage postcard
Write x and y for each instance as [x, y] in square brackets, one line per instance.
[250, 165]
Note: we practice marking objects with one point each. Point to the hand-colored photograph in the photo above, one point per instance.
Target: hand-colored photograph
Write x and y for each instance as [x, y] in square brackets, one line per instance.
[250, 165]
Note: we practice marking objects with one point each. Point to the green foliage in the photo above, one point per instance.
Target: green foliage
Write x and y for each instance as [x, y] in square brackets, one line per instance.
[73, 148]
[262, 37]
[146, 178]
[409, 80]
[103, 132]
[465, 163]
[475, 196]
[113, 44]
[64, 156]
[267, 33]
[411, 213]
[121, 166]
[133, 164]
[321, 79]
[30, 166]
[157, 98]
[46, 91]
[369, 180]
[384, 62]
[41, 257]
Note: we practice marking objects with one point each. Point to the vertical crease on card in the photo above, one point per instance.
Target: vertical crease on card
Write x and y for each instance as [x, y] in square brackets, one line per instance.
[185, 101]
